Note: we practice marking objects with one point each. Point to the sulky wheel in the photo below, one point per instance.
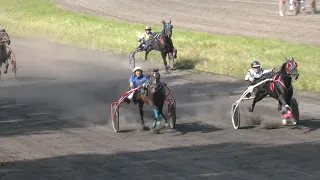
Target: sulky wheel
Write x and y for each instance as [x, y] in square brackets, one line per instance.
[132, 61]
[295, 110]
[172, 115]
[115, 117]
[235, 116]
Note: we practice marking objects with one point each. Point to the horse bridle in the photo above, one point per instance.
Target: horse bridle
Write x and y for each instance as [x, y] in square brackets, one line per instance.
[154, 84]
[167, 28]
[3, 41]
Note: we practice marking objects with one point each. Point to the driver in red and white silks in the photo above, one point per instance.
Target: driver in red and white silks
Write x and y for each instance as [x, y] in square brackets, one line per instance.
[255, 72]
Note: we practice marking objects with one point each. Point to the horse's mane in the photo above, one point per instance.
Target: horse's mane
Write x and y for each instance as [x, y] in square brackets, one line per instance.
[282, 68]
[270, 74]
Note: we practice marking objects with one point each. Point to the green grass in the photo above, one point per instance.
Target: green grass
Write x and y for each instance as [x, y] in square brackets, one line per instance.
[200, 51]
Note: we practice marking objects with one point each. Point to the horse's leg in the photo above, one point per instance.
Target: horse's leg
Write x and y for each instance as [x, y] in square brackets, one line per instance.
[313, 6]
[146, 54]
[285, 110]
[175, 53]
[140, 104]
[259, 96]
[164, 55]
[297, 5]
[6, 67]
[281, 6]
[0, 71]
[171, 60]
[162, 115]
[279, 106]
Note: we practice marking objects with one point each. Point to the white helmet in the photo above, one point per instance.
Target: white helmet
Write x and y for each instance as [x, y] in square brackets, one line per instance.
[137, 68]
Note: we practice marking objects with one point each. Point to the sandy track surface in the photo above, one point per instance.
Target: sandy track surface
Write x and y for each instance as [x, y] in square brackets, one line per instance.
[54, 124]
[253, 18]
[54, 120]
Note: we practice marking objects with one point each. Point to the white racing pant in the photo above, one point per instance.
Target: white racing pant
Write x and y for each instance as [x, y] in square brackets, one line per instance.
[131, 96]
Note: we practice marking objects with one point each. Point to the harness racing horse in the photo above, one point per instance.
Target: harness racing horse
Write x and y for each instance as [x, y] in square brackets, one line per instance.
[155, 96]
[4, 55]
[162, 42]
[279, 88]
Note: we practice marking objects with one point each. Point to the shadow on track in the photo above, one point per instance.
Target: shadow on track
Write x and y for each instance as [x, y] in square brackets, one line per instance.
[217, 161]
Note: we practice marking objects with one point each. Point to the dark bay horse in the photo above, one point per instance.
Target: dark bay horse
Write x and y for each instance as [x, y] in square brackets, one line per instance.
[280, 88]
[4, 55]
[155, 97]
[162, 42]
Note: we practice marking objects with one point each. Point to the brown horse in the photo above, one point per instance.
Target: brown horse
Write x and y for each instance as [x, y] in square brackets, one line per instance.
[4, 54]
[154, 95]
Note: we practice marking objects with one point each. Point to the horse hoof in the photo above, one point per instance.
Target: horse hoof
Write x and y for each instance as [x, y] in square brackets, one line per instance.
[155, 131]
[284, 122]
[166, 124]
[294, 121]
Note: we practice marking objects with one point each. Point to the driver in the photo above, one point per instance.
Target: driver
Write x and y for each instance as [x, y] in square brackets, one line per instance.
[135, 80]
[144, 37]
[255, 72]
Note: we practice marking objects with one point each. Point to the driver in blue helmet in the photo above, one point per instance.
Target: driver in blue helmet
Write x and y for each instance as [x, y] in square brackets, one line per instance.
[255, 72]
[138, 78]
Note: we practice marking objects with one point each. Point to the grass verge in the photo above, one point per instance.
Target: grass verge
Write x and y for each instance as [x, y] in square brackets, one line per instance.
[200, 51]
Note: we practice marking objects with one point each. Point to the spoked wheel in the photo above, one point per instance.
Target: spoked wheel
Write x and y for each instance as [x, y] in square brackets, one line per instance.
[132, 61]
[235, 116]
[115, 117]
[172, 115]
[282, 7]
[295, 110]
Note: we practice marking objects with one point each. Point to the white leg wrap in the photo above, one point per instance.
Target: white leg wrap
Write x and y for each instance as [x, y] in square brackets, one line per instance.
[130, 96]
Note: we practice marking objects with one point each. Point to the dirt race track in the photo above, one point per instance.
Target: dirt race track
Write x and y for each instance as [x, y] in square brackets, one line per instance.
[54, 123]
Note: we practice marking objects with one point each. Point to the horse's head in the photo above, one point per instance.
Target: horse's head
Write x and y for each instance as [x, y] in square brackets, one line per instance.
[4, 37]
[291, 68]
[167, 28]
[155, 83]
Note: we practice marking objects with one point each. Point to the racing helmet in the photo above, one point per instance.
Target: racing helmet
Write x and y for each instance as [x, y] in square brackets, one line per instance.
[148, 28]
[255, 64]
[136, 69]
